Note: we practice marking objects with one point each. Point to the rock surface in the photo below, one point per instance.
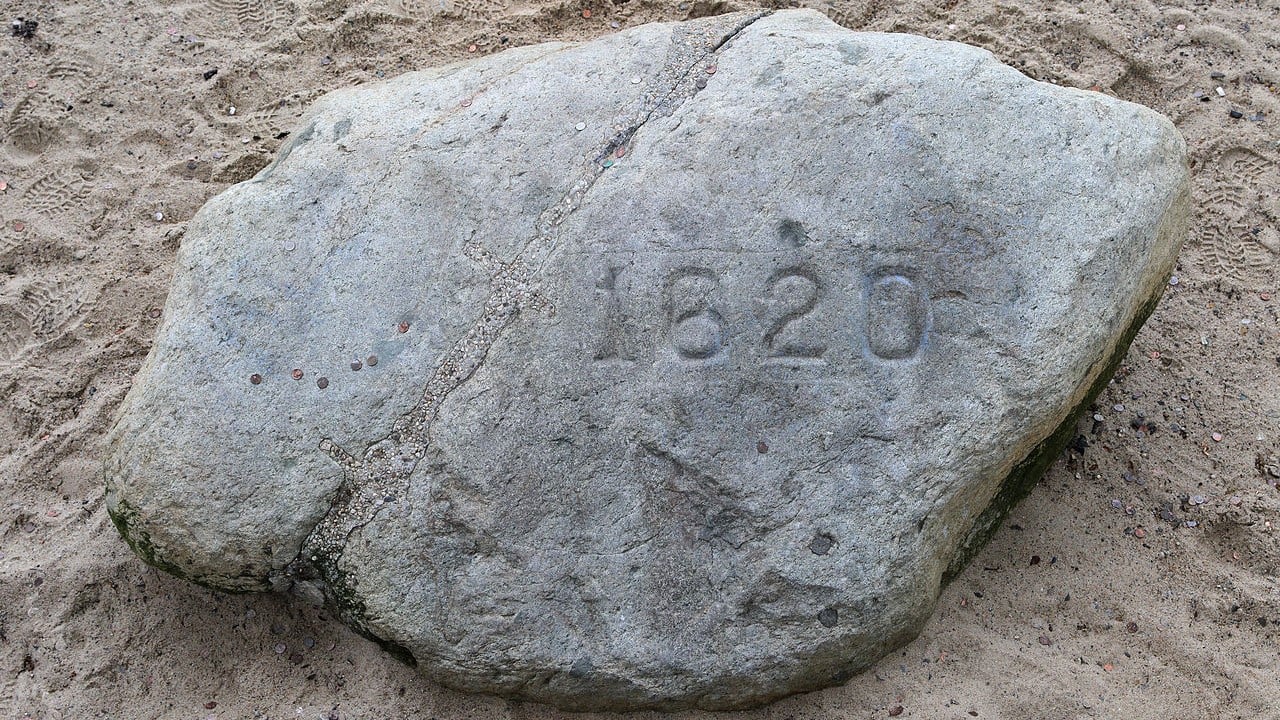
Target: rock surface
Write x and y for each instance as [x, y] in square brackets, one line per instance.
[675, 369]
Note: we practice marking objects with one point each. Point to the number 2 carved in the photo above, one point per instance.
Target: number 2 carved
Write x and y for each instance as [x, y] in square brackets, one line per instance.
[795, 293]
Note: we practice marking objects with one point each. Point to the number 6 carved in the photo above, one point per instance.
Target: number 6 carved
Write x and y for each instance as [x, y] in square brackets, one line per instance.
[697, 330]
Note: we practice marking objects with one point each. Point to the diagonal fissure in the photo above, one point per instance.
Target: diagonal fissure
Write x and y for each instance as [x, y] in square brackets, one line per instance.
[379, 476]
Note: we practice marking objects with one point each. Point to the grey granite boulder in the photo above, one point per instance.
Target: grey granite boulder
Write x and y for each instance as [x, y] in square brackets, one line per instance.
[675, 369]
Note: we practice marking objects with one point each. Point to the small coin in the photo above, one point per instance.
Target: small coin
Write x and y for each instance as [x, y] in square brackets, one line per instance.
[371, 360]
[356, 364]
[322, 383]
[403, 327]
[256, 379]
[297, 373]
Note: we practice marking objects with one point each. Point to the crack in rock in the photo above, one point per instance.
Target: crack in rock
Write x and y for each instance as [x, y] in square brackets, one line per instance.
[380, 475]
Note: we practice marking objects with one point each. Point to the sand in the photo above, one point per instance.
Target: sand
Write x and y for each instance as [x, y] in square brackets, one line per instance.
[1139, 579]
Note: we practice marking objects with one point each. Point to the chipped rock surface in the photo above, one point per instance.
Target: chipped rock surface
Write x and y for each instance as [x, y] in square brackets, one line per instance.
[675, 369]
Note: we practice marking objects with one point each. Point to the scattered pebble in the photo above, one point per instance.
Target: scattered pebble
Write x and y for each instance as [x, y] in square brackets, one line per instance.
[1131, 626]
[1173, 280]
[1220, 91]
[1235, 500]
[1139, 533]
[19, 226]
[231, 109]
[403, 327]
[1117, 504]
[614, 25]
[24, 28]
[1192, 523]
[159, 216]
[608, 163]
[1097, 417]
[635, 81]
[580, 126]
[326, 60]
[208, 74]
[466, 102]
[1180, 28]
[4, 186]
[154, 313]
[1118, 407]
[210, 705]
[586, 13]
[896, 710]
[1044, 640]
[1235, 114]
[762, 447]
[1217, 437]
[472, 48]
[280, 648]
[1197, 499]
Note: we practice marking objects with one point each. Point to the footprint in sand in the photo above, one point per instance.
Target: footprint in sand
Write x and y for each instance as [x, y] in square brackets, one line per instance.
[1238, 235]
[42, 310]
[256, 19]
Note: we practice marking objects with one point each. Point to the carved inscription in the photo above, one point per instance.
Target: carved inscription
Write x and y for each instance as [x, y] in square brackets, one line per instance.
[897, 317]
[614, 346]
[796, 292]
[795, 319]
[697, 329]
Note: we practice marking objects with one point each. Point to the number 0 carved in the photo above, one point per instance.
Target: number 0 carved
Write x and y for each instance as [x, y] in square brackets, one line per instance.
[897, 322]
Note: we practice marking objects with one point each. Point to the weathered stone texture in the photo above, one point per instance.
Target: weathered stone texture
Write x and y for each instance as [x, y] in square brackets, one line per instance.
[694, 406]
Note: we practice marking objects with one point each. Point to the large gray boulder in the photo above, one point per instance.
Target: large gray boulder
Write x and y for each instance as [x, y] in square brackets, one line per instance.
[691, 361]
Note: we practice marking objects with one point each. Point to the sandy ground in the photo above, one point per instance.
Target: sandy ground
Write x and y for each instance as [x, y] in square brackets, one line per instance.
[1139, 580]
